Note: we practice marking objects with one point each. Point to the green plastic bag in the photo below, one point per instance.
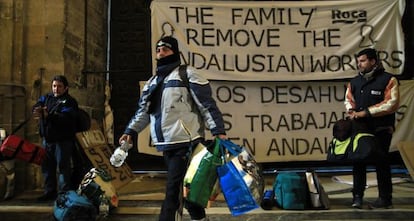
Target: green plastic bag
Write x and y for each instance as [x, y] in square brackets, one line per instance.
[201, 176]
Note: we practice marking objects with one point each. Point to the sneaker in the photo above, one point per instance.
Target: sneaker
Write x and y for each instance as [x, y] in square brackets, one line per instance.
[357, 202]
[381, 204]
[203, 219]
[49, 196]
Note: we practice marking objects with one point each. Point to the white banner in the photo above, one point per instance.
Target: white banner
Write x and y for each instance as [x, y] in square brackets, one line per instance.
[405, 115]
[292, 121]
[281, 41]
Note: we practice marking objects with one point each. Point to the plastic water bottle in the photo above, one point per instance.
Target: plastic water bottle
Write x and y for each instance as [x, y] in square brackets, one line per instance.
[125, 146]
[120, 154]
[2, 133]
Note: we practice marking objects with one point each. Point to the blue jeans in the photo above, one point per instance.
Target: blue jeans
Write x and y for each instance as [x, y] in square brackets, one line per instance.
[58, 160]
[176, 161]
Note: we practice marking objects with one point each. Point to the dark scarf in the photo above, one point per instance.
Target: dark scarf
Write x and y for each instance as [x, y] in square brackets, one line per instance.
[375, 71]
[164, 69]
[162, 72]
[169, 59]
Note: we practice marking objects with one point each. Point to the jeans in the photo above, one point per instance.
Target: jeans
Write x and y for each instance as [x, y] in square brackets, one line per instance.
[177, 161]
[383, 169]
[58, 160]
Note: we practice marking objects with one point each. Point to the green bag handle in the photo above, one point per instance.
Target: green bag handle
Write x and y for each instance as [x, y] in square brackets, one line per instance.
[217, 151]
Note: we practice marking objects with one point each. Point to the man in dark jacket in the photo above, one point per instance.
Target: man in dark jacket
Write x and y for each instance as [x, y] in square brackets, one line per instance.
[371, 99]
[56, 112]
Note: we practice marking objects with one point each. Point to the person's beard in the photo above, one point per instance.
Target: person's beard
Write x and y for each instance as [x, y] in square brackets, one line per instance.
[367, 70]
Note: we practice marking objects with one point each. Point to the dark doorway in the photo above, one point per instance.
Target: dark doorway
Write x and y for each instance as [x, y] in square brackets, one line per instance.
[130, 63]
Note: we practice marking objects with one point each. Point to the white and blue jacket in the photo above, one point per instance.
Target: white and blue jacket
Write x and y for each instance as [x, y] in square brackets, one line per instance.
[178, 118]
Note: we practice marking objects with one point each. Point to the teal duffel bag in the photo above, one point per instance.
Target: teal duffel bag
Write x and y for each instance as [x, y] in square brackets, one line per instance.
[291, 191]
[70, 206]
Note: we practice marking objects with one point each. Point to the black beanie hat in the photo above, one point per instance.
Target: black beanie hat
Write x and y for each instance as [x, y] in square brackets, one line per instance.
[169, 42]
[172, 44]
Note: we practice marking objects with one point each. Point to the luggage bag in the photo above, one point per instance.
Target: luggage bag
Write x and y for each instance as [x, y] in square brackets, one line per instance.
[15, 147]
[70, 206]
[291, 191]
[300, 191]
[97, 187]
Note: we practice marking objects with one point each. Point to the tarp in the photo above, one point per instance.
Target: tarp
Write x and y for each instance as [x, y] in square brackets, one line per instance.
[281, 40]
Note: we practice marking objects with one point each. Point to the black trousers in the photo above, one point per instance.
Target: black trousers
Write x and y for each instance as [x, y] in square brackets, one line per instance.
[382, 167]
[177, 161]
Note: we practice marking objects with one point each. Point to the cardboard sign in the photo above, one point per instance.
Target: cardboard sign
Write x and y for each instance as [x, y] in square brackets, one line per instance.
[97, 150]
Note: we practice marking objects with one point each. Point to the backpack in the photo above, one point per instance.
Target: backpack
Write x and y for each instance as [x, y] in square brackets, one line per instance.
[352, 142]
[360, 147]
[70, 206]
[83, 120]
[342, 129]
[96, 185]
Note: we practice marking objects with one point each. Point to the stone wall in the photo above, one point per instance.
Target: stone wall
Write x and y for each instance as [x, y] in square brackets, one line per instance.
[41, 38]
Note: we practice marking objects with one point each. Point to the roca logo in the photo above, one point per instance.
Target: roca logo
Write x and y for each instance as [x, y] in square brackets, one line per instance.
[348, 17]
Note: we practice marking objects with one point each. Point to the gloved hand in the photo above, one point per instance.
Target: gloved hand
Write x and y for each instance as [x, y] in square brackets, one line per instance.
[120, 154]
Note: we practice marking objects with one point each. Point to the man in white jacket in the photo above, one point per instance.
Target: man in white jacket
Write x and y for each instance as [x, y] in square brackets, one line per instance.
[177, 110]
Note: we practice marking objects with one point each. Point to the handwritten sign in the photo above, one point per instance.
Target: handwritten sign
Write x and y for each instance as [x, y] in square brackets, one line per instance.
[95, 147]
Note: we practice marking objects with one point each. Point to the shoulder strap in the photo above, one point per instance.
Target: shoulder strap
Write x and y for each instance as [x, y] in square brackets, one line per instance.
[182, 71]
[15, 130]
[21, 125]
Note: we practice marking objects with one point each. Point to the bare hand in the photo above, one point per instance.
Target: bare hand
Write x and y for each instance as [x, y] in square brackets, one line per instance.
[357, 114]
[125, 137]
[39, 112]
[222, 136]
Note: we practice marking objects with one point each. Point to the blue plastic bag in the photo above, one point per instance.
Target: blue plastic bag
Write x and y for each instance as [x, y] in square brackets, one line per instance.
[240, 179]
